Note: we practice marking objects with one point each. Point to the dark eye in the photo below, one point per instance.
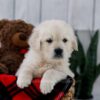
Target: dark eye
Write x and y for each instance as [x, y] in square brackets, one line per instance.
[49, 40]
[23, 36]
[65, 40]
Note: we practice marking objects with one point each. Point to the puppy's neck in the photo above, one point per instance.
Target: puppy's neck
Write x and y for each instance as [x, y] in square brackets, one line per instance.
[42, 63]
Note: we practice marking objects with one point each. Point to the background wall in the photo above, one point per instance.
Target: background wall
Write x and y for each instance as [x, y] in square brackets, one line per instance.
[83, 15]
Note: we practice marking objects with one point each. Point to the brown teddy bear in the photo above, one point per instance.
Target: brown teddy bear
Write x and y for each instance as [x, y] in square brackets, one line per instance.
[13, 39]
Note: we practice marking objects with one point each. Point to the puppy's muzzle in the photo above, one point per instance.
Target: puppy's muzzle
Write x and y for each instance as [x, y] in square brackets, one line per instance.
[58, 53]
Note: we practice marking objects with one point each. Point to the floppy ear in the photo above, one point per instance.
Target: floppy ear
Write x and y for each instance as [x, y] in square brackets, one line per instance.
[74, 43]
[34, 40]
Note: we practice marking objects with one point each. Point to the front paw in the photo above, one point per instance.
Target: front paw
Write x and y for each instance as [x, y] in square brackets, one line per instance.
[46, 86]
[72, 75]
[23, 82]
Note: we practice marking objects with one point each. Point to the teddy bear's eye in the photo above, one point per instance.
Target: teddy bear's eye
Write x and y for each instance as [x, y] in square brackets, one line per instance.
[49, 40]
[23, 36]
[65, 40]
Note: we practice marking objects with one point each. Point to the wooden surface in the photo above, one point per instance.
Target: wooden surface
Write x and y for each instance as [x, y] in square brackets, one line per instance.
[82, 14]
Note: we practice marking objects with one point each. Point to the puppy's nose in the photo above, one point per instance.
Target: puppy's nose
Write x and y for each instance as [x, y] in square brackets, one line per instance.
[58, 51]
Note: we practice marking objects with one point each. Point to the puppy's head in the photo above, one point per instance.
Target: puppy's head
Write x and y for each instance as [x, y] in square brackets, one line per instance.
[54, 39]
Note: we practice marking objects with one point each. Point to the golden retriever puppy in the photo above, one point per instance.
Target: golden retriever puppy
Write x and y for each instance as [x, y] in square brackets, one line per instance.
[51, 45]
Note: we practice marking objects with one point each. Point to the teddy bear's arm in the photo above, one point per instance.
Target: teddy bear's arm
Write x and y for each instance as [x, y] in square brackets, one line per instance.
[12, 62]
[3, 68]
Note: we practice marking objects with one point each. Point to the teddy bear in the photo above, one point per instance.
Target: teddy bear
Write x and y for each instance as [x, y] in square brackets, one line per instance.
[13, 44]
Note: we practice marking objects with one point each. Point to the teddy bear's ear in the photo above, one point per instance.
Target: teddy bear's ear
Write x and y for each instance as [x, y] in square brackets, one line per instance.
[31, 27]
[3, 23]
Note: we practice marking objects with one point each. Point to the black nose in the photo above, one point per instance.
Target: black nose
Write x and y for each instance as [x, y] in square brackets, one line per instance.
[58, 51]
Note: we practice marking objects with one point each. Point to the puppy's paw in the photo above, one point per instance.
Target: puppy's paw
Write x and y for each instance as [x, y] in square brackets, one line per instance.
[46, 86]
[23, 82]
[72, 75]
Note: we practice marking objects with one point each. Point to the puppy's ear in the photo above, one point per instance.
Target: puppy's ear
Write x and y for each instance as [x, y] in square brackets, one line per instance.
[74, 43]
[34, 40]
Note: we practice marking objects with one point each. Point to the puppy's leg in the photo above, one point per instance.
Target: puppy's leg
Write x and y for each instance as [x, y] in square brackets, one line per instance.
[24, 78]
[50, 78]
[26, 70]
[69, 72]
[41, 70]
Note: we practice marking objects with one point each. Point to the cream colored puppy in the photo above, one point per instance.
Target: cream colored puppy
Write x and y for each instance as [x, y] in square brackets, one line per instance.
[51, 45]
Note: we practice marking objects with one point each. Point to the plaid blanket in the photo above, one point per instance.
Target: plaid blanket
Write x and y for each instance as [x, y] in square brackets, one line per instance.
[10, 91]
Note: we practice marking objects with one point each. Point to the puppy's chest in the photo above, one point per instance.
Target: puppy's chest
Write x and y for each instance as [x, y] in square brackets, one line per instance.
[41, 69]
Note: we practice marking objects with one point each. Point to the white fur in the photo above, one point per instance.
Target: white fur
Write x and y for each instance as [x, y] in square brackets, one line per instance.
[41, 52]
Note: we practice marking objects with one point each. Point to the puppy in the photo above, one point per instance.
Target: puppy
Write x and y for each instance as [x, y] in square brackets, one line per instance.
[51, 45]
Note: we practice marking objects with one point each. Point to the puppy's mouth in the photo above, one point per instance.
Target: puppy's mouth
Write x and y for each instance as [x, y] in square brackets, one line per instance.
[58, 56]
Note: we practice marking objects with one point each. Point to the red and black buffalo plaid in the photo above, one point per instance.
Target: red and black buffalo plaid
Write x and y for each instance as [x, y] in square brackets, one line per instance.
[10, 91]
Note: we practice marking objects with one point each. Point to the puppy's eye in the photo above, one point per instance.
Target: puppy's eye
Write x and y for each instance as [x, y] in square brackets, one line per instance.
[65, 40]
[49, 40]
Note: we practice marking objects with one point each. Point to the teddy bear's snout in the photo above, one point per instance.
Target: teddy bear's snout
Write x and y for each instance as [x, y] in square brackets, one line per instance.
[20, 39]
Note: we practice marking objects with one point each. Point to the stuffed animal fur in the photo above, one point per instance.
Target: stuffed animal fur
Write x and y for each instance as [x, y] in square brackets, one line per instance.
[13, 44]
